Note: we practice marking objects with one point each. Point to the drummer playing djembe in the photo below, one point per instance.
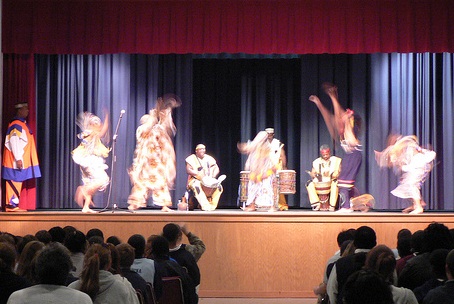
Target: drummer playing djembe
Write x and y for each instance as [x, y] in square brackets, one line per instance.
[325, 171]
[203, 170]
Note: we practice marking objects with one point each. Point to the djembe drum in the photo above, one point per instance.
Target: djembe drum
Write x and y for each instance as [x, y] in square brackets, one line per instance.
[323, 190]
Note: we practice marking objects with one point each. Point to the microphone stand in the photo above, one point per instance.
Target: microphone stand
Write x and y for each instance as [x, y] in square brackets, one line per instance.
[112, 168]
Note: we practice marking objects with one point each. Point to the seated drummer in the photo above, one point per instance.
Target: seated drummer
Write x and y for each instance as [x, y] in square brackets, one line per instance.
[202, 167]
[326, 168]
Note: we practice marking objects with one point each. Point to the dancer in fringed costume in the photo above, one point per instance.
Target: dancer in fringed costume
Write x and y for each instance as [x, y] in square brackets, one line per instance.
[153, 169]
[413, 163]
[90, 156]
[262, 166]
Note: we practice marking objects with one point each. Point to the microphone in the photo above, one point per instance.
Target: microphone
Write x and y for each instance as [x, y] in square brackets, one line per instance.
[121, 113]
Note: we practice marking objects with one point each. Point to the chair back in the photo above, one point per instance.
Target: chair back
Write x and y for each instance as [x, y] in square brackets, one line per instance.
[151, 294]
[140, 296]
[172, 291]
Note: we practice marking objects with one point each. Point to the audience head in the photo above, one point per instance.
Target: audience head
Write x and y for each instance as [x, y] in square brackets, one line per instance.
[58, 234]
[436, 236]
[160, 248]
[95, 232]
[437, 260]
[76, 241]
[365, 238]
[345, 235]
[404, 246]
[115, 257]
[26, 259]
[7, 257]
[114, 240]
[148, 246]
[381, 260]
[52, 265]
[172, 232]
[96, 239]
[8, 238]
[96, 258]
[69, 229]
[367, 286]
[137, 241]
[127, 255]
[24, 241]
[404, 233]
[417, 242]
[43, 236]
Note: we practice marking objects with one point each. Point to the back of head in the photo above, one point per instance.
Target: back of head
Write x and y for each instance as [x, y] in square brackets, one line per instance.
[417, 241]
[345, 235]
[437, 259]
[366, 286]
[95, 232]
[436, 236]
[365, 238]
[76, 241]
[127, 255]
[171, 232]
[24, 241]
[114, 240]
[381, 260]
[96, 258]
[7, 257]
[137, 241]
[26, 259]
[404, 246]
[58, 234]
[53, 264]
[43, 236]
[160, 248]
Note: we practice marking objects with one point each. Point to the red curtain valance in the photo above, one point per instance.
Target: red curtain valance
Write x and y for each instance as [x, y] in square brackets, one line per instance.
[233, 26]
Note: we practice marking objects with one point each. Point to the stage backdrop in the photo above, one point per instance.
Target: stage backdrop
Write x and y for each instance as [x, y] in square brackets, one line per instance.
[229, 98]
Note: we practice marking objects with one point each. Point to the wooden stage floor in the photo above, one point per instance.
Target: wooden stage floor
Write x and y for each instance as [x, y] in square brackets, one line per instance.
[249, 254]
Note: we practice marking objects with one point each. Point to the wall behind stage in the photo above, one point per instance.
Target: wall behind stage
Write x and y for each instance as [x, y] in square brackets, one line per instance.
[227, 100]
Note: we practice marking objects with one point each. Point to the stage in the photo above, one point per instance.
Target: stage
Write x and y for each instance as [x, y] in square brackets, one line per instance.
[249, 254]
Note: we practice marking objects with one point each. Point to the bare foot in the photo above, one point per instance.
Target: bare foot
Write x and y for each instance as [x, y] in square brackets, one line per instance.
[166, 209]
[408, 209]
[251, 207]
[88, 210]
[417, 210]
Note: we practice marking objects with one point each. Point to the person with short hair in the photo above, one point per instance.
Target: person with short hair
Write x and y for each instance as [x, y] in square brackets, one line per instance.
[52, 267]
[203, 170]
[444, 293]
[143, 266]
[325, 169]
[20, 159]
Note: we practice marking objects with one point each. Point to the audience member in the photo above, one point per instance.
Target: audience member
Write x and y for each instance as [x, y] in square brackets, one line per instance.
[76, 242]
[177, 251]
[418, 269]
[101, 285]
[127, 256]
[69, 229]
[96, 239]
[165, 267]
[143, 266]
[416, 243]
[366, 286]
[95, 232]
[115, 265]
[114, 240]
[196, 246]
[9, 281]
[52, 267]
[364, 240]
[437, 260]
[8, 238]
[58, 234]
[43, 236]
[342, 237]
[26, 260]
[24, 241]
[382, 260]
[443, 294]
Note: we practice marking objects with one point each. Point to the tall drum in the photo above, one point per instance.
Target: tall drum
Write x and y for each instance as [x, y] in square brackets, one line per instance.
[244, 180]
[287, 181]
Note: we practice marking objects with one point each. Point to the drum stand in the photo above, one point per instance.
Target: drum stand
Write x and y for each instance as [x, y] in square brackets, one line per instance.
[278, 192]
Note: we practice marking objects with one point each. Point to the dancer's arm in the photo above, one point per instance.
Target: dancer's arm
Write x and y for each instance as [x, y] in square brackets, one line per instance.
[327, 116]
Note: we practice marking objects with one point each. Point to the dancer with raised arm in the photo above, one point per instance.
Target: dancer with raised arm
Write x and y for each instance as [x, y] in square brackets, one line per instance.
[90, 156]
[344, 126]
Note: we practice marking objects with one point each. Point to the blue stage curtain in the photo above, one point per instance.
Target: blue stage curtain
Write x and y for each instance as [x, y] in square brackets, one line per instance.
[229, 100]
